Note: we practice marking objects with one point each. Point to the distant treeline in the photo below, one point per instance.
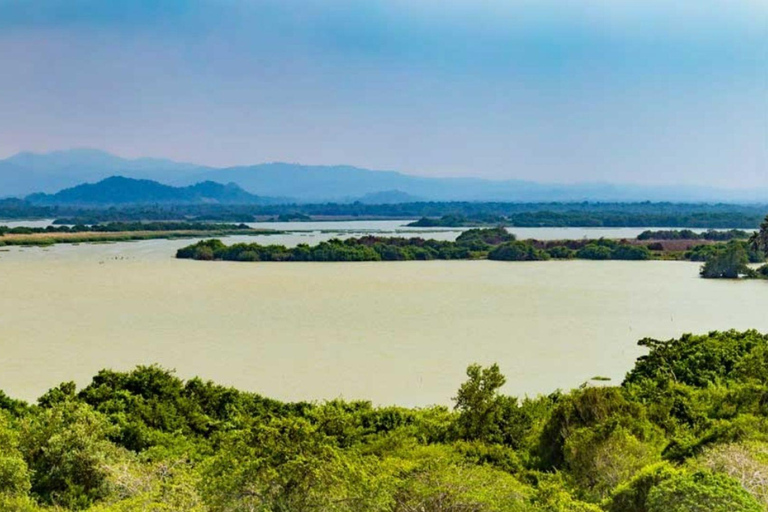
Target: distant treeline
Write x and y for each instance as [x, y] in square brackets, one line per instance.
[602, 218]
[493, 243]
[687, 234]
[115, 227]
[450, 214]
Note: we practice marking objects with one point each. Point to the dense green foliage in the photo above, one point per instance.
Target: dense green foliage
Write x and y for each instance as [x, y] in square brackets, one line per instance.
[687, 431]
[517, 251]
[728, 262]
[731, 261]
[491, 243]
[115, 227]
[598, 215]
[453, 213]
[368, 248]
[687, 234]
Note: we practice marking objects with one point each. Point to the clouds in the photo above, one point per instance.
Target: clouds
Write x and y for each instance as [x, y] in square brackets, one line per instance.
[557, 90]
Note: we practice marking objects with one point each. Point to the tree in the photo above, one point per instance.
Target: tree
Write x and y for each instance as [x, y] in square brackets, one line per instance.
[601, 458]
[632, 496]
[14, 474]
[759, 240]
[517, 251]
[66, 448]
[702, 491]
[436, 479]
[731, 262]
[287, 465]
[479, 403]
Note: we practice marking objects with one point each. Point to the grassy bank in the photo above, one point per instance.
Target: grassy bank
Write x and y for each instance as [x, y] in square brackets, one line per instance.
[51, 238]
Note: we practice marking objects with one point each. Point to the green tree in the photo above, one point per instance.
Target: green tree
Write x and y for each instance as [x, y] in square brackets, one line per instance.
[701, 491]
[479, 403]
[759, 240]
[730, 262]
[433, 478]
[632, 496]
[287, 465]
[517, 251]
[67, 449]
[14, 474]
[599, 459]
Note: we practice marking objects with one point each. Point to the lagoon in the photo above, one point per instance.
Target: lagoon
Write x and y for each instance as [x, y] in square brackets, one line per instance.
[393, 332]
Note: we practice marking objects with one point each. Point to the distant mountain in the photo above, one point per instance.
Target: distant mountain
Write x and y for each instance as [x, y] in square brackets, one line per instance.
[119, 190]
[26, 173]
[388, 197]
[316, 183]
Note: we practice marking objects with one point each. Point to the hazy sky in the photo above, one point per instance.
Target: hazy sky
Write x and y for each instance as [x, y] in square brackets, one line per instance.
[644, 91]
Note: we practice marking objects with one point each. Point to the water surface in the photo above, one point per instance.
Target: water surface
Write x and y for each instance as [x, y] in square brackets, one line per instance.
[392, 332]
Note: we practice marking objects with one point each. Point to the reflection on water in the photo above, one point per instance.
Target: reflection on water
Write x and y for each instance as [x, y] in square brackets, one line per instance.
[399, 332]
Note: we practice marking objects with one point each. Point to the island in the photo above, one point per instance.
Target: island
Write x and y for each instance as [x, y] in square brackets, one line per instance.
[120, 232]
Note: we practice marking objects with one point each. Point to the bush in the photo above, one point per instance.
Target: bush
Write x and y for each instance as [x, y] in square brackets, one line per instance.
[630, 252]
[561, 252]
[517, 251]
[729, 262]
[67, 450]
[701, 491]
[600, 459]
[594, 252]
[632, 496]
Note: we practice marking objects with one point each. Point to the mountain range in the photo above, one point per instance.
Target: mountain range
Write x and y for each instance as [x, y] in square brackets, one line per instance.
[119, 190]
[27, 173]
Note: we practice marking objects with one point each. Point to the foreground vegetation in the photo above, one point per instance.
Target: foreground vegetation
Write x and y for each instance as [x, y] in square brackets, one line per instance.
[687, 431]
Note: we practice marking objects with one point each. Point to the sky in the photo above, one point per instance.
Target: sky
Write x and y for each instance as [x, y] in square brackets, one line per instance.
[652, 92]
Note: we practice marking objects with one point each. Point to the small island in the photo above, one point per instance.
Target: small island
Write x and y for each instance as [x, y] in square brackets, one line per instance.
[474, 244]
[722, 260]
[120, 232]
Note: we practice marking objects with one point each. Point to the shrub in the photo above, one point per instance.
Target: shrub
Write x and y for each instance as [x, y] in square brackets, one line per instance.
[594, 252]
[701, 491]
[517, 251]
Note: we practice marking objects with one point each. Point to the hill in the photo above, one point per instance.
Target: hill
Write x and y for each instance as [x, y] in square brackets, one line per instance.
[118, 190]
[27, 173]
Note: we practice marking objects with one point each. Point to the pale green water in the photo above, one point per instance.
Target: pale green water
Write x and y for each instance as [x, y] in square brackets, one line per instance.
[400, 332]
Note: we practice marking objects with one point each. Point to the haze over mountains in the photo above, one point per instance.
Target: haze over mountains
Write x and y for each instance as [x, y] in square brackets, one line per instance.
[27, 173]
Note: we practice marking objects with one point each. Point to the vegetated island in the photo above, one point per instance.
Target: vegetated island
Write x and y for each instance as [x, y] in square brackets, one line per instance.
[686, 431]
[480, 243]
[729, 260]
[120, 232]
[687, 234]
[473, 244]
